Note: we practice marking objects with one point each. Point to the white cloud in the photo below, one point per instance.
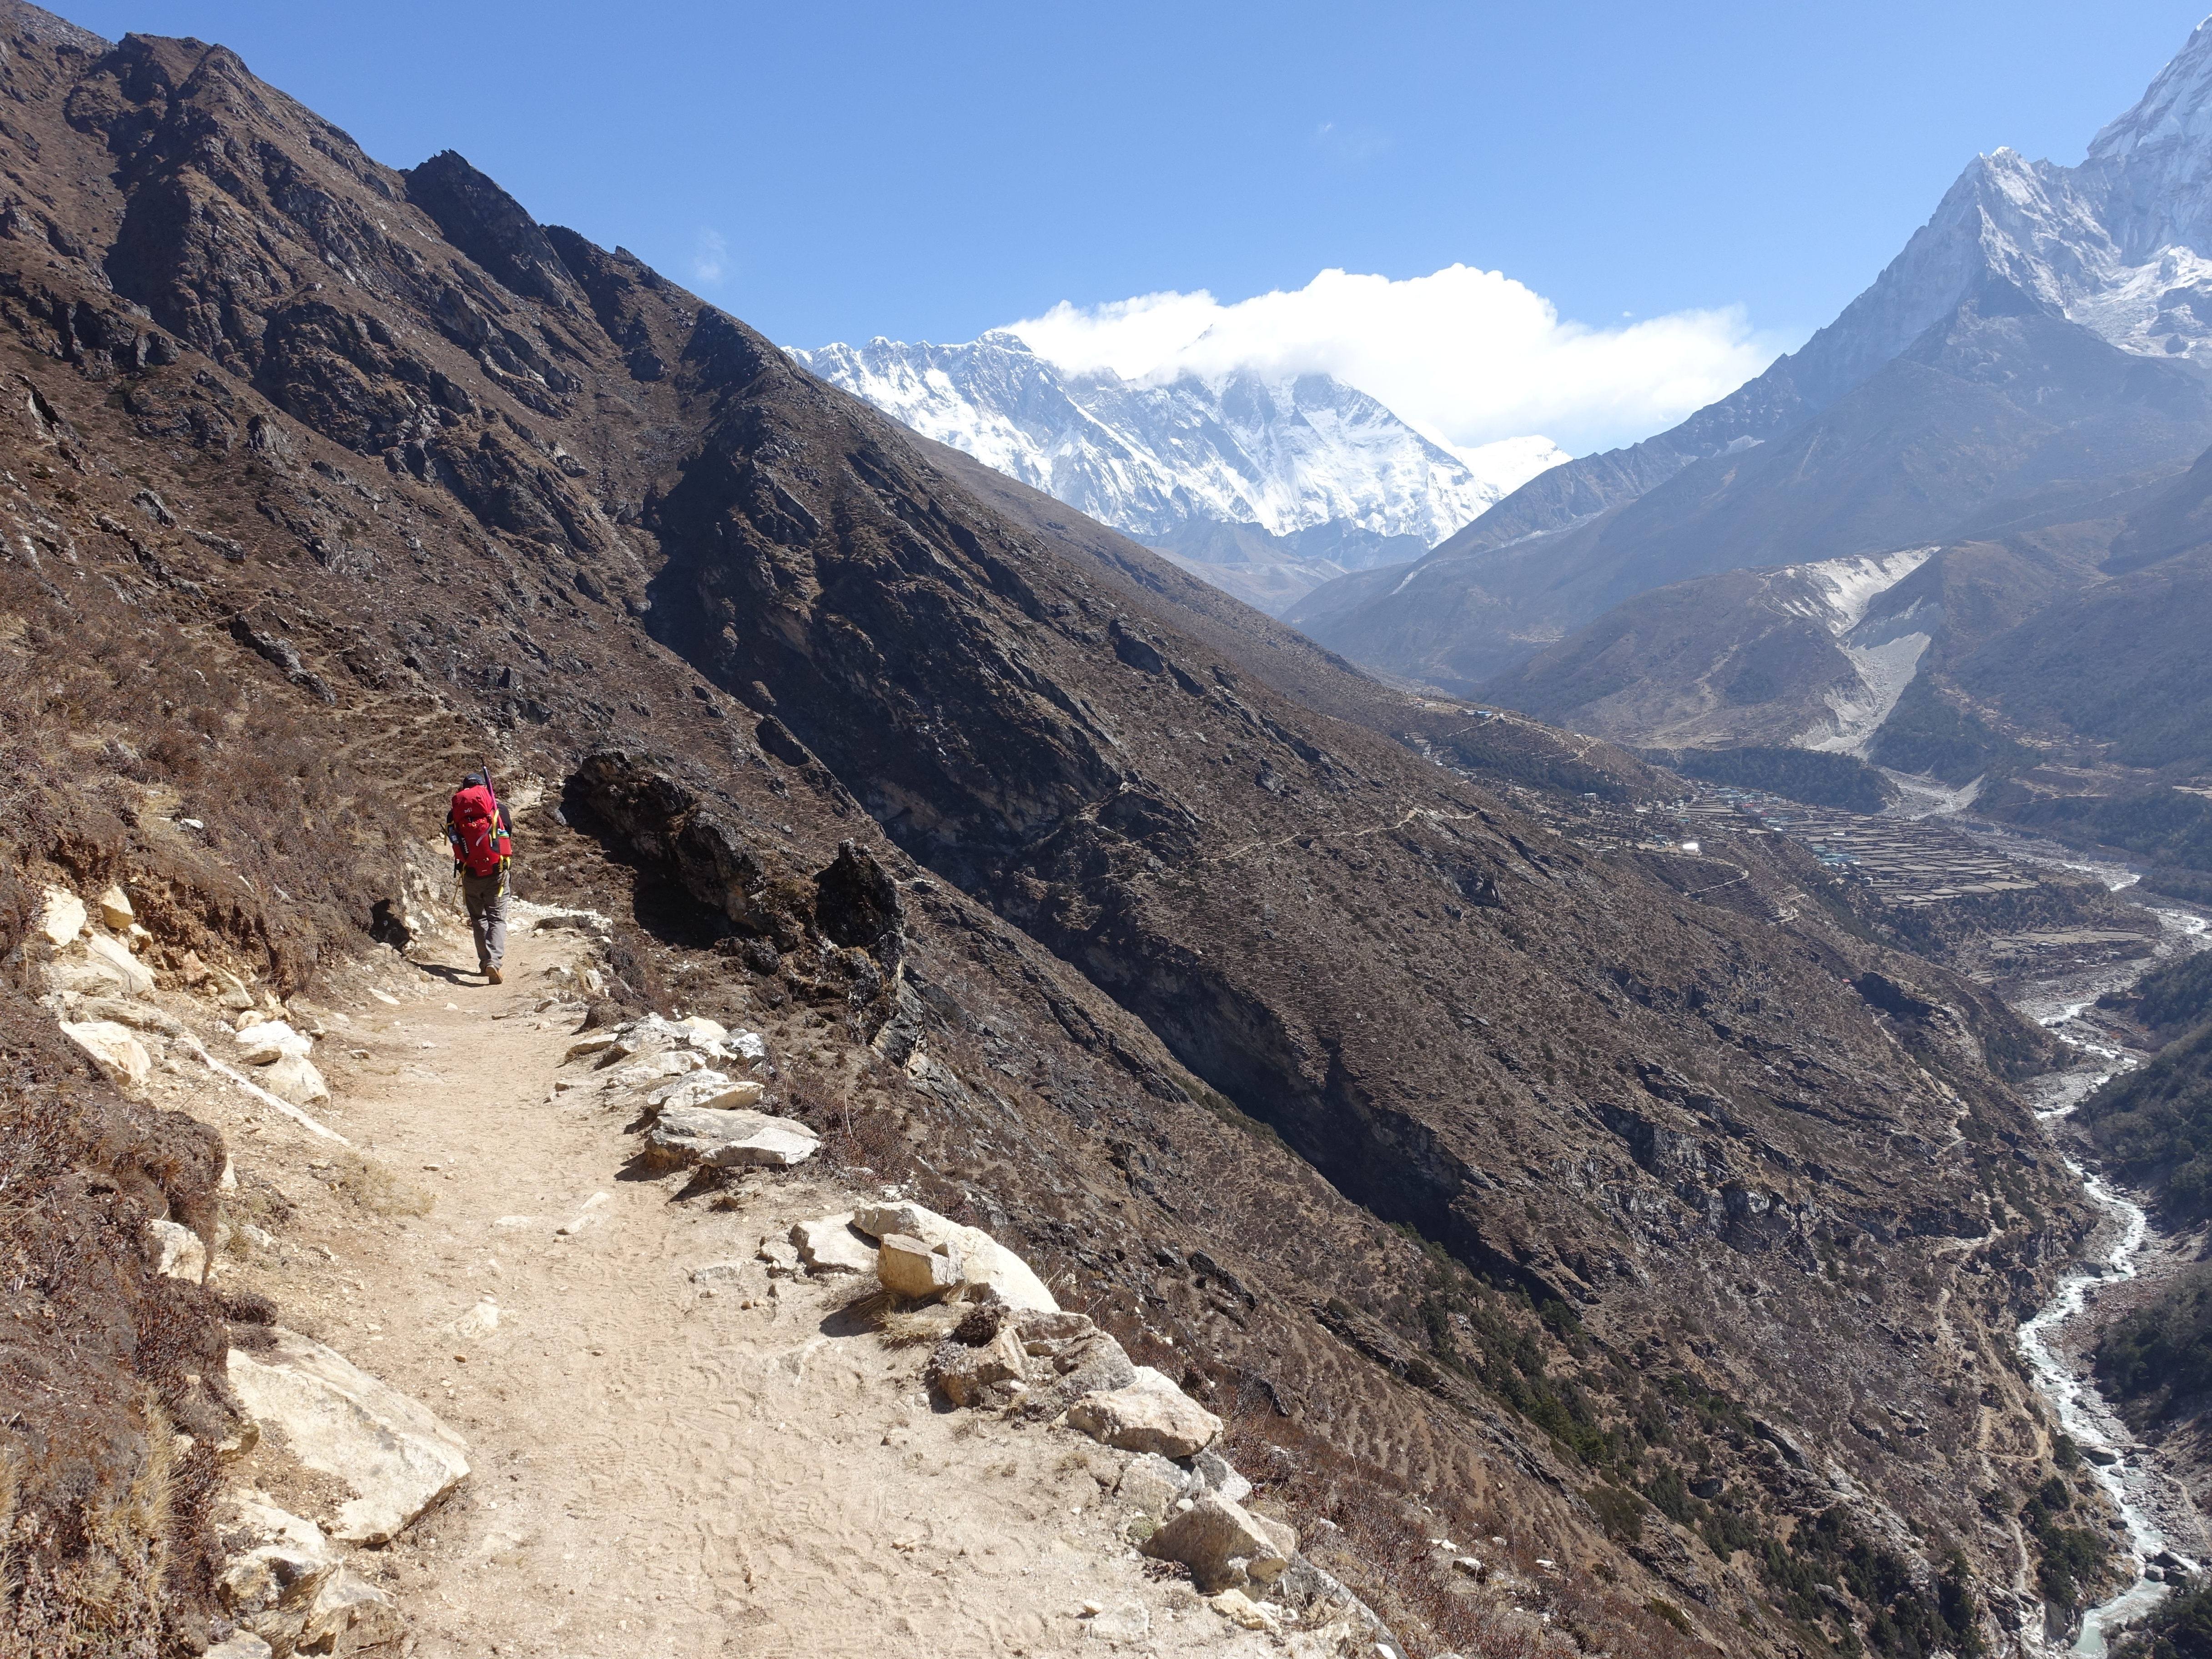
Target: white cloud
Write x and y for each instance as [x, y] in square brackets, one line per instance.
[1468, 356]
[709, 257]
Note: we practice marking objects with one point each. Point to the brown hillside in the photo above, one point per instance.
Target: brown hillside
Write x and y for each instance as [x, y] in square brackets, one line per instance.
[1474, 1168]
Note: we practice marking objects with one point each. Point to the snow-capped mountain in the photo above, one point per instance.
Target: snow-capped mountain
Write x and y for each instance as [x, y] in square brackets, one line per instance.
[1287, 455]
[2038, 299]
[2121, 245]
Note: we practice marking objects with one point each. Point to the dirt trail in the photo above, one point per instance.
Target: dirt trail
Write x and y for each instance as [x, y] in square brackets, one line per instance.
[659, 1466]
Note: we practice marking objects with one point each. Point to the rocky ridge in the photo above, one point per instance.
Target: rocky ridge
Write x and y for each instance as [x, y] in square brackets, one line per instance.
[2040, 331]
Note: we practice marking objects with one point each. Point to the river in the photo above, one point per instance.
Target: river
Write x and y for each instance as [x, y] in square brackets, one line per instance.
[2158, 1516]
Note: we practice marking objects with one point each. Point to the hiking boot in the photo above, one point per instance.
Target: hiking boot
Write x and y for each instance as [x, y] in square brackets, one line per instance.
[492, 976]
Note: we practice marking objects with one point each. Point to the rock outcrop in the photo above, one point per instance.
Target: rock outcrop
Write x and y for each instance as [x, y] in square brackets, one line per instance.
[395, 1457]
[1146, 1414]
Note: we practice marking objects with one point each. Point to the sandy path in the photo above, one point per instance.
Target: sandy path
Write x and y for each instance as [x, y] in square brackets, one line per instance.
[661, 1467]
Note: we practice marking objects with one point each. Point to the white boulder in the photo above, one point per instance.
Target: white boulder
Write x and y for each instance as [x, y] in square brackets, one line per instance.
[267, 1040]
[710, 1089]
[984, 1260]
[110, 957]
[295, 1078]
[118, 1054]
[1153, 1485]
[829, 1245]
[982, 1375]
[394, 1455]
[62, 917]
[724, 1139]
[174, 1251]
[909, 1267]
[1149, 1415]
[1223, 1545]
[291, 1592]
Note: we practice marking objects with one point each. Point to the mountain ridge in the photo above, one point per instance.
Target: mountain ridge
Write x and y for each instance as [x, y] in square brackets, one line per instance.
[2059, 249]
[1501, 1167]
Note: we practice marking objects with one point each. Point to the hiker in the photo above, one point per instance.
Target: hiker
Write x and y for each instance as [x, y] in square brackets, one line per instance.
[481, 836]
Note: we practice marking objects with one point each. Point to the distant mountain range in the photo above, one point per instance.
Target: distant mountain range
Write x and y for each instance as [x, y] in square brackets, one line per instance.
[1266, 486]
[2040, 347]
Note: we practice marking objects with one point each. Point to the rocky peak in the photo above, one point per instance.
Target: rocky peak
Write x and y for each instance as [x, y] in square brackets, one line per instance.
[41, 28]
[490, 227]
[1286, 454]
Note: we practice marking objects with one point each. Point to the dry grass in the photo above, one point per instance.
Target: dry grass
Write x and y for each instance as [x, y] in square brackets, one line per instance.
[903, 1326]
[110, 1598]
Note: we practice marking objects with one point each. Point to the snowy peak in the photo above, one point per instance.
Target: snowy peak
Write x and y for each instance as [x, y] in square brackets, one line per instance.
[2175, 114]
[1287, 454]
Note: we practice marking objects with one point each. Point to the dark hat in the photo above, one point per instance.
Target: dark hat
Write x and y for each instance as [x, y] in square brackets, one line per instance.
[474, 781]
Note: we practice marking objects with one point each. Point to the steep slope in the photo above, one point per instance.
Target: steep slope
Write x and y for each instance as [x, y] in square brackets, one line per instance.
[1813, 656]
[1465, 1159]
[2043, 325]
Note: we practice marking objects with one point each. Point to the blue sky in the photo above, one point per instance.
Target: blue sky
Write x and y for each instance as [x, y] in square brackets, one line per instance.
[834, 170]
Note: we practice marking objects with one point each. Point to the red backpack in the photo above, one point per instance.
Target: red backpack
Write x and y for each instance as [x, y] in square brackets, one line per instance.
[481, 842]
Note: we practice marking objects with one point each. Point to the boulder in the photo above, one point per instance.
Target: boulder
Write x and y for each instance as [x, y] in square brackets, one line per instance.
[295, 1079]
[174, 1251]
[139, 1016]
[351, 1615]
[1047, 1334]
[74, 976]
[241, 1644]
[266, 1042]
[985, 1261]
[110, 958]
[829, 1245]
[1243, 1612]
[62, 917]
[119, 1056]
[1069, 1358]
[392, 1454]
[115, 909]
[595, 1043]
[723, 1141]
[1150, 1414]
[1224, 1546]
[708, 1090]
[291, 1591]
[1220, 1476]
[910, 1267]
[980, 1376]
[1153, 1485]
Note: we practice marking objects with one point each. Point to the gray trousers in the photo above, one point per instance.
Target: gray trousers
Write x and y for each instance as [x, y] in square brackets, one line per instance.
[486, 898]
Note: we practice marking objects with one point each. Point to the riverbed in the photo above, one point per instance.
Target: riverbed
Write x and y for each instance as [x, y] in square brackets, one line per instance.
[2163, 1521]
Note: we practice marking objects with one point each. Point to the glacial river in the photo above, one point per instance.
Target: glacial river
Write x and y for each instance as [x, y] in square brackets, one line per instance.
[2148, 1501]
